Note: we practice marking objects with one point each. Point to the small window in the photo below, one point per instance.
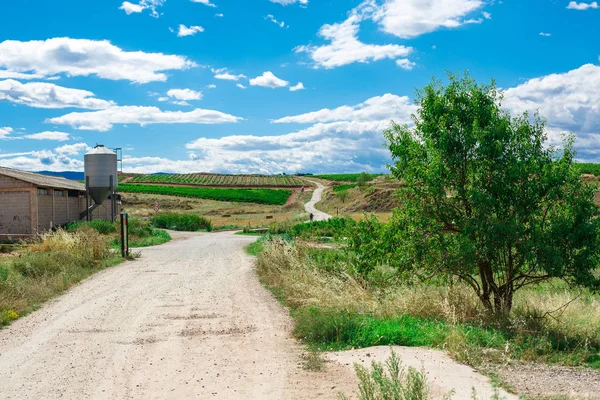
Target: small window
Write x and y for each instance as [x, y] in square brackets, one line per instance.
[59, 193]
[42, 192]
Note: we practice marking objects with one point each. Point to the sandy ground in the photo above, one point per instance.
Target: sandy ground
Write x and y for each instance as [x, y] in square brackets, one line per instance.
[310, 206]
[553, 380]
[187, 320]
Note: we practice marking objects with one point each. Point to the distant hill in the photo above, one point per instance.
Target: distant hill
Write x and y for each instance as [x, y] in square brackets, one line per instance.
[72, 175]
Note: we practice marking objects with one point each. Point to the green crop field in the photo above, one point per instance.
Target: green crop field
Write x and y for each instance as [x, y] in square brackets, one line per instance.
[259, 196]
[342, 177]
[220, 180]
[588, 168]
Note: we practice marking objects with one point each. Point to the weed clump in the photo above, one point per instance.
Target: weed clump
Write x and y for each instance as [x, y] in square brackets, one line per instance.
[337, 305]
[182, 222]
[52, 263]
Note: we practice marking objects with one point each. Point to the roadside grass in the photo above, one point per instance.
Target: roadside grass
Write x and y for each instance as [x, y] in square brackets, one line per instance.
[49, 266]
[335, 308]
[141, 232]
[182, 222]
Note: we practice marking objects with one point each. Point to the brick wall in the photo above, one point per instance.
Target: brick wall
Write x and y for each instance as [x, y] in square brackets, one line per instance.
[15, 213]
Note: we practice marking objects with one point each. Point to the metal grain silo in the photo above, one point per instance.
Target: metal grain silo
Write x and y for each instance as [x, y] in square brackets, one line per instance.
[101, 179]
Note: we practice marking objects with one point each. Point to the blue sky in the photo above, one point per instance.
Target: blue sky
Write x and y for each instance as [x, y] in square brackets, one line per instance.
[271, 86]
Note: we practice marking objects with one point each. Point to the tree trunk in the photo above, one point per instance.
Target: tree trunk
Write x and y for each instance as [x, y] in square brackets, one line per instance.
[503, 299]
[502, 295]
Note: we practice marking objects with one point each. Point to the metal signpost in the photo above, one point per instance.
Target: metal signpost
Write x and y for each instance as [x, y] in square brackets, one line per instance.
[156, 206]
[124, 235]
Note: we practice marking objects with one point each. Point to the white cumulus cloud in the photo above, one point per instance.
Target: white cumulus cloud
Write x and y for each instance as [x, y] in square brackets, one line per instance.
[152, 5]
[295, 88]
[5, 132]
[240, 86]
[225, 75]
[378, 108]
[582, 6]
[345, 48]
[267, 79]
[288, 2]
[189, 31]
[49, 95]
[103, 120]
[410, 18]
[205, 2]
[83, 57]
[58, 136]
[185, 94]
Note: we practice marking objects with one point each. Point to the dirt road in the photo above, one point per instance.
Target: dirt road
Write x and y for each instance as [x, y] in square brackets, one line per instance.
[310, 206]
[189, 320]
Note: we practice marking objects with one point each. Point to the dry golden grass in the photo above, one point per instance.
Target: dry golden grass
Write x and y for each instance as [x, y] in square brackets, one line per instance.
[51, 264]
[552, 308]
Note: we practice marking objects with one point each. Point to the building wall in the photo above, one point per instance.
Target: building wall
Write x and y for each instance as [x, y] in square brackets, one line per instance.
[8, 182]
[60, 207]
[45, 220]
[15, 212]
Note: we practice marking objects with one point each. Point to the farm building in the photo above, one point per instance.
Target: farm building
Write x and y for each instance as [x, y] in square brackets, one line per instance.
[32, 203]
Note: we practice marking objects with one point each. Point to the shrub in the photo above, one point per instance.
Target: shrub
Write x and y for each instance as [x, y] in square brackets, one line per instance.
[341, 188]
[334, 227]
[182, 222]
[392, 381]
[363, 179]
[342, 195]
[103, 227]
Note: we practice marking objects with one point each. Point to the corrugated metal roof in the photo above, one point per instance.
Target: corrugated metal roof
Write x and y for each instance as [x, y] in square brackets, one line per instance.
[53, 182]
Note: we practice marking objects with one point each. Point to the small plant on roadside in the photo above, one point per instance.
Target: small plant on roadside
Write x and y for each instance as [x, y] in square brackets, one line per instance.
[392, 381]
[312, 361]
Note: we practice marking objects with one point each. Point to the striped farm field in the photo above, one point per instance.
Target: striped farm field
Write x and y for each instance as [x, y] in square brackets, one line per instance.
[259, 196]
[220, 180]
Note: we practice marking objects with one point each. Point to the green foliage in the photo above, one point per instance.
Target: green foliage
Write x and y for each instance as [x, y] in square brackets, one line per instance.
[334, 227]
[154, 238]
[260, 196]
[346, 177]
[485, 200]
[342, 195]
[51, 264]
[392, 381]
[344, 187]
[101, 226]
[364, 178]
[588, 168]
[182, 222]
[3, 273]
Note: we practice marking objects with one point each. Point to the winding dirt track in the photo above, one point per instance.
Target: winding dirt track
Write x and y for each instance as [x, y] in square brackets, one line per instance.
[316, 197]
[189, 320]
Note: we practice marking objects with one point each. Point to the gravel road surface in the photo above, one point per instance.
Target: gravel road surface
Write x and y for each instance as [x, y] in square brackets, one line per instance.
[188, 320]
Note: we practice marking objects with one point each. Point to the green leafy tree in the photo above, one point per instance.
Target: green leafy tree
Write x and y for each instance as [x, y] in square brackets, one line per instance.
[485, 199]
[342, 195]
[363, 179]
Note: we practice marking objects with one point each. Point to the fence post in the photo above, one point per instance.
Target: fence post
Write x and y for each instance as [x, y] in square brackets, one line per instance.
[124, 235]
